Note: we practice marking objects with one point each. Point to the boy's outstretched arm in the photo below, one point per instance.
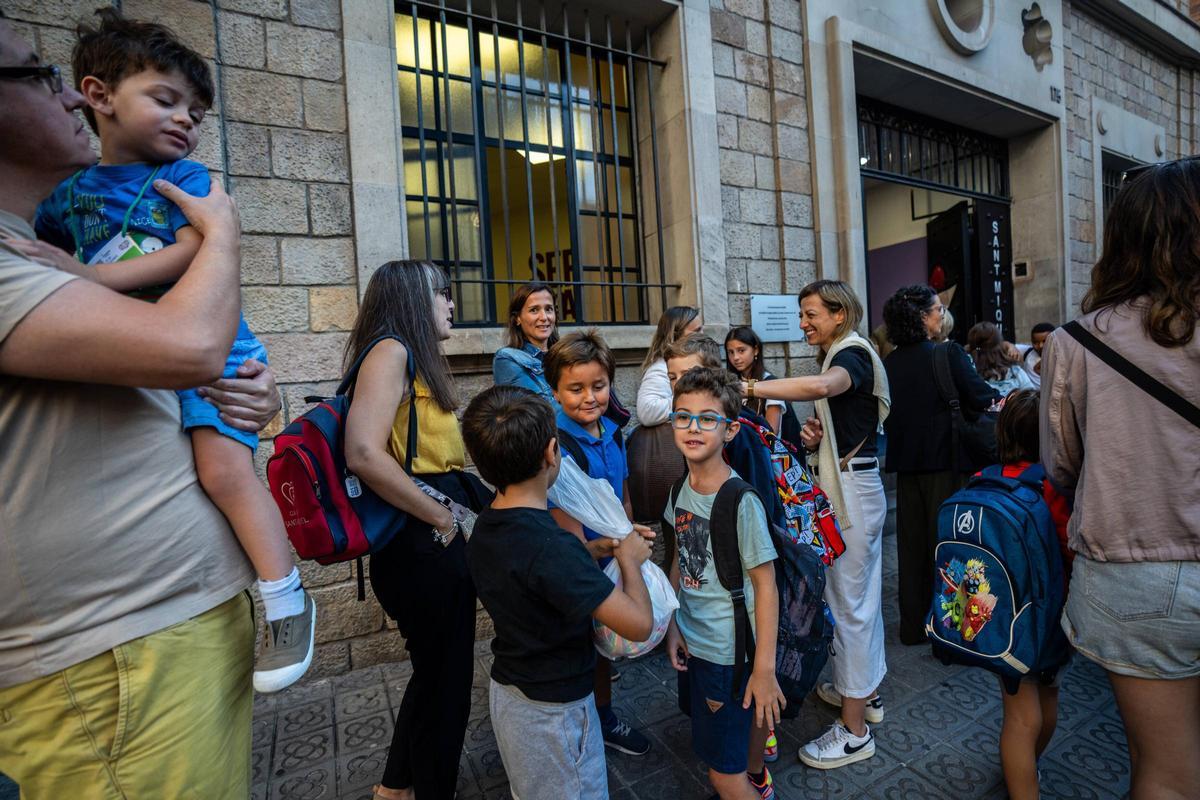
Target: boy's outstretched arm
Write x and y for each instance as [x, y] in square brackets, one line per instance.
[165, 266]
[763, 689]
[627, 611]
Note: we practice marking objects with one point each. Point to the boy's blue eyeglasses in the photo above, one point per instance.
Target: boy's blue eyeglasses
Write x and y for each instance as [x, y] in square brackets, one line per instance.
[707, 422]
[49, 74]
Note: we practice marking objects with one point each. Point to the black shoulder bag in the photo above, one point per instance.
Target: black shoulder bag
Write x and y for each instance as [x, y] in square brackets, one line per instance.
[978, 436]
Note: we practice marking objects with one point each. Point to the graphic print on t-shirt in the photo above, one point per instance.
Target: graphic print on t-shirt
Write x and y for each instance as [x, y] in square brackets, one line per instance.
[692, 533]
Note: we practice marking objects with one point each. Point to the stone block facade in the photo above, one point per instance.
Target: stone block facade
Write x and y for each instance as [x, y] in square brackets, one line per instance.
[766, 187]
[1103, 62]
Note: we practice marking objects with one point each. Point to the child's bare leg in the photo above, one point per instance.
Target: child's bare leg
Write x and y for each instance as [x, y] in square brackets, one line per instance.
[733, 787]
[758, 741]
[1048, 698]
[1019, 737]
[226, 472]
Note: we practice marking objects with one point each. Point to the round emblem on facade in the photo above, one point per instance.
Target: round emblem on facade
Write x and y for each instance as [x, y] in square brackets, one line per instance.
[965, 24]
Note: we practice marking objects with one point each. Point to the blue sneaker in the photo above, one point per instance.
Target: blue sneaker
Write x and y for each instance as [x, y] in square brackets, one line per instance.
[622, 738]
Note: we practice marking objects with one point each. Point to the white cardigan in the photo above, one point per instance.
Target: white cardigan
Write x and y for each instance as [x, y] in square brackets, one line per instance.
[655, 400]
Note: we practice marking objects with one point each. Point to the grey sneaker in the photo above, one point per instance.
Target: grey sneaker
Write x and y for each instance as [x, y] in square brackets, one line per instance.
[287, 650]
[874, 711]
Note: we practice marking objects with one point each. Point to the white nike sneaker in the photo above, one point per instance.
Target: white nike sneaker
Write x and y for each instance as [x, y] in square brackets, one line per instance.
[874, 710]
[837, 747]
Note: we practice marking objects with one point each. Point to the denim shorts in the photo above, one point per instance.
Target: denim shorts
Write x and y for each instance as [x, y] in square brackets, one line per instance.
[720, 726]
[1140, 619]
[197, 412]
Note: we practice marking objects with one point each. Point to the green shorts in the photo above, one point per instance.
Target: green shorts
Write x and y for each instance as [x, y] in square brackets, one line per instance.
[166, 715]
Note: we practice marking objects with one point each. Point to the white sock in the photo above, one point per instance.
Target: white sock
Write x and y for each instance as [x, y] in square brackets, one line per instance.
[284, 597]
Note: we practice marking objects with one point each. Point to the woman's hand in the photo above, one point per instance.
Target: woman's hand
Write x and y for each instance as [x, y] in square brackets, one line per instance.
[248, 402]
[677, 649]
[601, 548]
[763, 690]
[644, 531]
[812, 433]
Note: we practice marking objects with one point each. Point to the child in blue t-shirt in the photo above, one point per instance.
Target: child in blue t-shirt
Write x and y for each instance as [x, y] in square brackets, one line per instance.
[730, 723]
[146, 96]
[580, 369]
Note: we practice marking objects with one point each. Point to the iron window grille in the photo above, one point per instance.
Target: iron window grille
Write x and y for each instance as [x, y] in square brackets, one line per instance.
[1112, 172]
[507, 125]
[894, 143]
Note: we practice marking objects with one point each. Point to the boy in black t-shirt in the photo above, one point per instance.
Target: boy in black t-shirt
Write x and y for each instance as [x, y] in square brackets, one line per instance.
[542, 587]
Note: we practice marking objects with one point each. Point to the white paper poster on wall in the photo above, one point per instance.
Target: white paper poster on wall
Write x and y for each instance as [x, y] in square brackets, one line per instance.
[776, 317]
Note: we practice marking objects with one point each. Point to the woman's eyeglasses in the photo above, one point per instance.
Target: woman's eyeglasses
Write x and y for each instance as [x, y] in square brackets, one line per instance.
[1132, 173]
[707, 422]
[49, 74]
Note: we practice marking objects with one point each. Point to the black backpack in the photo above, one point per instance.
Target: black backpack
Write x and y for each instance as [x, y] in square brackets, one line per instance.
[805, 625]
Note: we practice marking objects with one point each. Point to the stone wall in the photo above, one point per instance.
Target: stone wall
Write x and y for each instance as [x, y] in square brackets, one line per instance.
[1102, 63]
[766, 186]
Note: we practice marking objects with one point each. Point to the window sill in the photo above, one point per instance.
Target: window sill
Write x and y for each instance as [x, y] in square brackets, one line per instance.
[486, 341]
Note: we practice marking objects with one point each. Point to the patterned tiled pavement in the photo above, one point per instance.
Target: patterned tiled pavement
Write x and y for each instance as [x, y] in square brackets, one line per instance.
[328, 739]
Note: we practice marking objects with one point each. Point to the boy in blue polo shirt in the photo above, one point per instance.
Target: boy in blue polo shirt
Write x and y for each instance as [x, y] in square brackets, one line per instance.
[580, 369]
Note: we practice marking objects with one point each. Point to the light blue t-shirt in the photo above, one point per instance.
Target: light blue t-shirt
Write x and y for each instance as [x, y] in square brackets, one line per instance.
[705, 615]
[88, 209]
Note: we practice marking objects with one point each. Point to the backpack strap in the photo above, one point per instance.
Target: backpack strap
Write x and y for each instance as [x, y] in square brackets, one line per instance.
[1134, 374]
[949, 393]
[410, 448]
[727, 559]
[575, 450]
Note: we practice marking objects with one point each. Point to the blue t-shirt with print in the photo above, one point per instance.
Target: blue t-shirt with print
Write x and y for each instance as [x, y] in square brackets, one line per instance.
[605, 456]
[88, 209]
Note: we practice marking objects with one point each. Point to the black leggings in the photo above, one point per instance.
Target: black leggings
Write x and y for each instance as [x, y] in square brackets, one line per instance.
[918, 496]
[428, 591]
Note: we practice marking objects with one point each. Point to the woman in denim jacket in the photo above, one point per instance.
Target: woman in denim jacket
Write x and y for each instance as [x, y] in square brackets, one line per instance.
[532, 330]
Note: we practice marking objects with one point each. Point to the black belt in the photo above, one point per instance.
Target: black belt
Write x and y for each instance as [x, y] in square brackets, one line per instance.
[856, 465]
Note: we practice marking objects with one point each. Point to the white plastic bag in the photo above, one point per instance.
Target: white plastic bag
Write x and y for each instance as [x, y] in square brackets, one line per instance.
[662, 605]
[593, 502]
[590, 500]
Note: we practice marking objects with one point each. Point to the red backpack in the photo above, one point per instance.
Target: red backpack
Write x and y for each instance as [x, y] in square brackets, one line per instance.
[329, 514]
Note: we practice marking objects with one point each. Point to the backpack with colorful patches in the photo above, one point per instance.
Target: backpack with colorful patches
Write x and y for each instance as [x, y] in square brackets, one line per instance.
[998, 579]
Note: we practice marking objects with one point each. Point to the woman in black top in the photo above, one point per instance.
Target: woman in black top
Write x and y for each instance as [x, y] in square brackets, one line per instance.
[919, 441]
[851, 397]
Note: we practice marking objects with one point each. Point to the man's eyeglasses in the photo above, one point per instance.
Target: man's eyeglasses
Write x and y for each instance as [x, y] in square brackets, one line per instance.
[707, 422]
[49, 74]
[445, 293]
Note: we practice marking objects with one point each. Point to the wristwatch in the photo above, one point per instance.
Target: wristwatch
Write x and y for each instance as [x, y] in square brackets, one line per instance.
[444, 538]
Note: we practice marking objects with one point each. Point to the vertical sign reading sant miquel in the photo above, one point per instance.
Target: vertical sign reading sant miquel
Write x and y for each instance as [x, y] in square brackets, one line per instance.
[994, 243]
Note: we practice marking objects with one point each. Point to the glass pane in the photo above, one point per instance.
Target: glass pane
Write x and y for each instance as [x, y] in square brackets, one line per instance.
[623, 131]
[626, 187]
[514, 125]
[467, 224]
[413, 169]
[416, 230]
[457, 56]
[408, 101]
[608, 90]
[510, 62]
[463, 156]
[468, 297]
[462, 110]
[585, 185]
[406, 48]
[582, 121]
[593, 244]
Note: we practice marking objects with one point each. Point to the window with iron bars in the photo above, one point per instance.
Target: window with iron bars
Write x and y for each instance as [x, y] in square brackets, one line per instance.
[895, 143]
[524, 160]
[1112, 172]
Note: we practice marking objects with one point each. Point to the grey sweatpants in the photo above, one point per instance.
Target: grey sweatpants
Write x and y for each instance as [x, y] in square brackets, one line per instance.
[551, 751]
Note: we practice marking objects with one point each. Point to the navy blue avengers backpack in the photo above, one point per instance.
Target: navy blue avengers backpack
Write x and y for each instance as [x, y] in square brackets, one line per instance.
[998, 579]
